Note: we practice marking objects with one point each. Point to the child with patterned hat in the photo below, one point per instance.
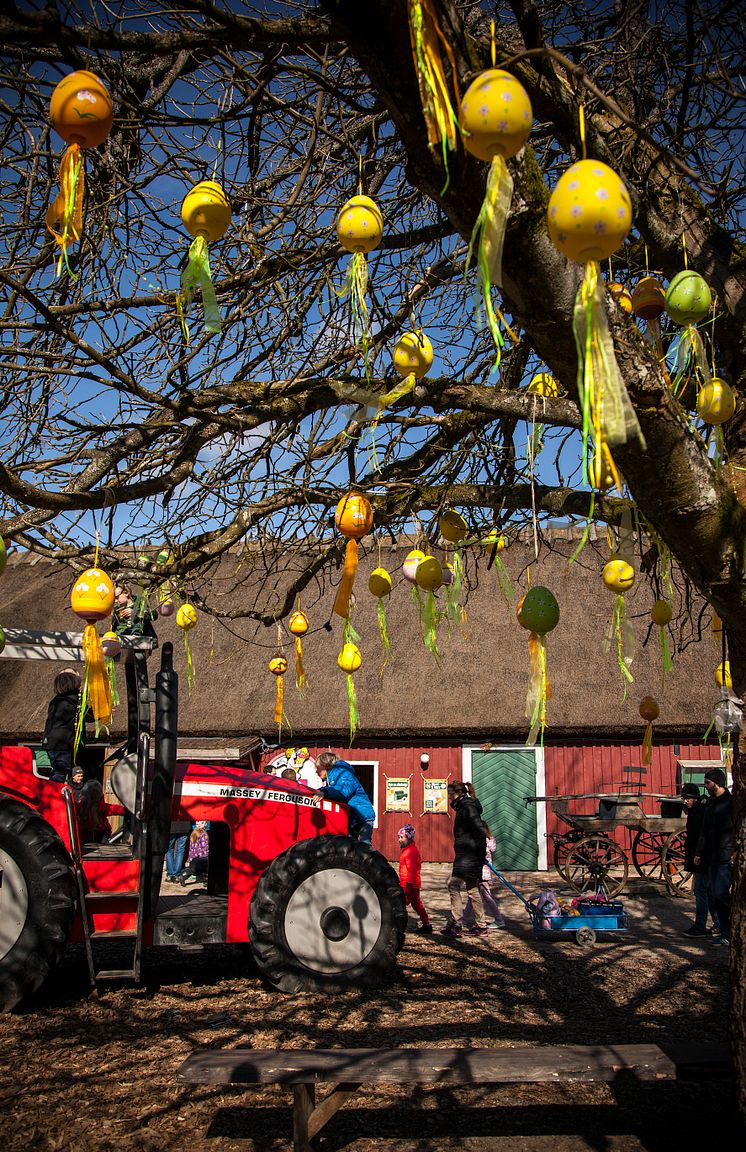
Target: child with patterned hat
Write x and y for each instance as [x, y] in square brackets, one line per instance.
[410, 875]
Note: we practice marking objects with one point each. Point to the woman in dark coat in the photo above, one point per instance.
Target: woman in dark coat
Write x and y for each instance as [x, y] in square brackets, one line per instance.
[470, 853]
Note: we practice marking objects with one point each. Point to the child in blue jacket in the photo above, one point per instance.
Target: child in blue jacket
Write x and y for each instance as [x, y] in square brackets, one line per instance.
[341, 783]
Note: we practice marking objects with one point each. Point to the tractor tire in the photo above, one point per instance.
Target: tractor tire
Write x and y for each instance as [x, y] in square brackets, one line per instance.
[327, 915]
[37, 901]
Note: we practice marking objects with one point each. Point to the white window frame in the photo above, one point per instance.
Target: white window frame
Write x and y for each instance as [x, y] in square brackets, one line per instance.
[541, 808]
[375, 764]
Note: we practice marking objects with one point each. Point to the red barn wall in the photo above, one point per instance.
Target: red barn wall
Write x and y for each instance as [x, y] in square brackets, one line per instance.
[569, 769]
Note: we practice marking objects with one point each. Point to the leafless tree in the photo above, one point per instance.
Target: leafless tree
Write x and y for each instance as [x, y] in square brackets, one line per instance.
[114, 423]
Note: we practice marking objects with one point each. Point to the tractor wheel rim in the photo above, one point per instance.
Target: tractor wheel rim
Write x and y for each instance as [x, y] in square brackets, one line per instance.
[13, 903]
[333, 920]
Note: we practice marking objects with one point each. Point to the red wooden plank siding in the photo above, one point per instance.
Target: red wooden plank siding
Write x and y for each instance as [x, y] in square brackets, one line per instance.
[569, 768]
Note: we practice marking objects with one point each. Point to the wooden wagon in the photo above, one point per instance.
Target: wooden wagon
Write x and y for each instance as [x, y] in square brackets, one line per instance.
[589, 855]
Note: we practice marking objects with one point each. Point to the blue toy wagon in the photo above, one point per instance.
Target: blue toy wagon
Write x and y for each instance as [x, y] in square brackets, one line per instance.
[593, 916]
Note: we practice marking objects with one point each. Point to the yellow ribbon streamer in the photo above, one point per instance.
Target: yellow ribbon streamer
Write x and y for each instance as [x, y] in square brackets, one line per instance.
[301, 680]
[64, 218]
[278, 703]
[426, 38]
[489, 236]
[539, 688]
[95, 692]
[608, 416]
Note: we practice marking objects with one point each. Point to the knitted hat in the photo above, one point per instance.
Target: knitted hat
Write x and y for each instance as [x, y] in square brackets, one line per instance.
[406, 833]
[689, 790]
[717, 776]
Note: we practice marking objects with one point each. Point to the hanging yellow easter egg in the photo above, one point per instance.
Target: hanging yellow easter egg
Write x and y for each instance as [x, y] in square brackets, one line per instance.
[80, 110]
[350, 658]
[411, 563]
[205, 211]
[278, 665]
[618, 575]
[379, 582]
[716, 402]
[495, 115]
[429, 574]
[92, 597]
[722, 675]
[111, 645]
[621, 297]
[544, 384]
[298, 623]
[661, 613]
[186, 617]
[354, 515]
[590, 212]
[648, 298]
[360, 225]
[688, 297]
[452, 526]
[413, 354]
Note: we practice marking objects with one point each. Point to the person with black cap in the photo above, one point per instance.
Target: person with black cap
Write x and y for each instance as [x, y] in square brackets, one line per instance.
[694, 806]
[714, 848]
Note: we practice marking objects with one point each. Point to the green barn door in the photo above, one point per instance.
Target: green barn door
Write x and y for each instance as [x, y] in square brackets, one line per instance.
[501, 781]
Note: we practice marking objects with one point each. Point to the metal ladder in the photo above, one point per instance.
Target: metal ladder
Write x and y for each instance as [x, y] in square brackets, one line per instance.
[88, 900]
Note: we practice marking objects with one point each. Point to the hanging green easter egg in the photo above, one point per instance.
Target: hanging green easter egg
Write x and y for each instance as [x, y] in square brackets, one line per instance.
[688, 298]
[538, 611]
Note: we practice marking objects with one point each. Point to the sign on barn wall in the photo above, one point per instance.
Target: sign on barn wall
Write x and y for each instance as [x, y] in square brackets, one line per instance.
[397, 794]
[435, 795]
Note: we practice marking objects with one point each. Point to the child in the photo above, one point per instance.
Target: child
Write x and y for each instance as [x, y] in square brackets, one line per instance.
[410, 877]
[491, 907]
[199, 847]
[93, 813]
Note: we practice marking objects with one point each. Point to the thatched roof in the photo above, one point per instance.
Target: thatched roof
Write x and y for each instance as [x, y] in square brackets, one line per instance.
[475, 691]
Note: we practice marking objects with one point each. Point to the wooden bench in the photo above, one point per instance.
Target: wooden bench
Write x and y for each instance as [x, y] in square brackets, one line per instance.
[347, 1069]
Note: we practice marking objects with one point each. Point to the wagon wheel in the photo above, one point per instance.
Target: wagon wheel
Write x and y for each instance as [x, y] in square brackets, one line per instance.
[647, 854]
[562, 847]
[674, 870]
[585, 937]
[596, 864]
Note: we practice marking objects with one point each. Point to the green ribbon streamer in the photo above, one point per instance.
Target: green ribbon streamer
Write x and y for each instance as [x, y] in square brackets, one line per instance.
[356, 286]
[352, 707]
[488, 236]
[383, 629]
[197, 275]
[624, 635]
[111, 670]
[666, 661]
[453, 592]
[690, 357]
[429, 618]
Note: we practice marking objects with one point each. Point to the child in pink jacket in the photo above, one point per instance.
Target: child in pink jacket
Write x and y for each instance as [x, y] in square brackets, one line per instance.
[410, 875]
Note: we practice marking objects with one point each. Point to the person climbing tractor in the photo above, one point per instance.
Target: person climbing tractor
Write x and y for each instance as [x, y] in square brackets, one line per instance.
[341, 783]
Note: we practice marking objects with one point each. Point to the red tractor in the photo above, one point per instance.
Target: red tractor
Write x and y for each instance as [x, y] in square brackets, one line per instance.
[322, 911]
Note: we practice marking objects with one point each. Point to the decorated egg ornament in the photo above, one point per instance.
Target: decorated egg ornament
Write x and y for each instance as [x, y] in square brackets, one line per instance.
[649, 711]
[688, 298]
[716, 401]
[539, 613]
[186, 618]
[496, 115]
[206, 215]
[411, 562]
[648, 298]
[590, 212]
[413, 355]
[81, 113]
[453, 527]
[618, 575]
[298, 625]
[379, 585]
[589, 216]
[543, 384]
[92, 599]
[496, 122]
[359, 229]
[349, 660]
[354, 519]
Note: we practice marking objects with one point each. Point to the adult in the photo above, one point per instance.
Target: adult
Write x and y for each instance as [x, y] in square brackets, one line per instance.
[694, 806]
[59, 731]
[470, 853]
[177, 849]
[339, 782]
[715, 848]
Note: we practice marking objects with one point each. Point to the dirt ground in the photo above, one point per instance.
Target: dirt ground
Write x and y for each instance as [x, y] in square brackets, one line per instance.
[85, 1072]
